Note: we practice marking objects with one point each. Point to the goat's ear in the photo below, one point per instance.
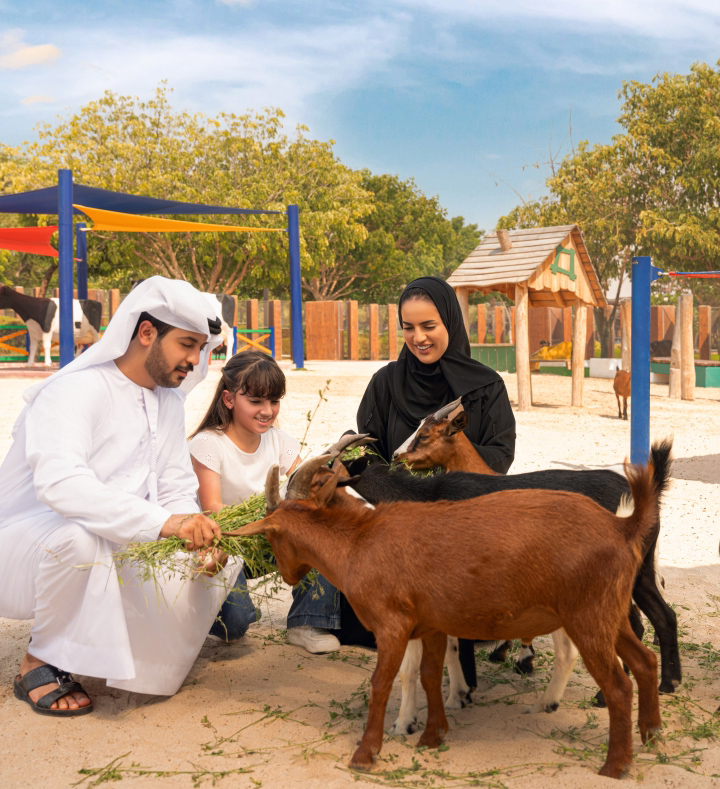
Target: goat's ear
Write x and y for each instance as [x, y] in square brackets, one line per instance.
[343, 482]
[457, 424]
[256, 527]
[326, 492]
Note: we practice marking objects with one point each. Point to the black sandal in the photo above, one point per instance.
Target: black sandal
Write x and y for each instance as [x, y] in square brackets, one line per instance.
[44, 675]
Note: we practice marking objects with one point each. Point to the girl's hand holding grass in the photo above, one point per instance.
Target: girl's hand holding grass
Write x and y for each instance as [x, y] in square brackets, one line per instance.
[195, 530]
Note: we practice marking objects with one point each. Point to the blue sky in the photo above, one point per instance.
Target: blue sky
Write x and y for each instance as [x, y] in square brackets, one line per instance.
[466, 97]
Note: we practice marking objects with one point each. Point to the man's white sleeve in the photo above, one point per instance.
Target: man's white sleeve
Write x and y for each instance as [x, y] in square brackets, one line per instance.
[59, 439]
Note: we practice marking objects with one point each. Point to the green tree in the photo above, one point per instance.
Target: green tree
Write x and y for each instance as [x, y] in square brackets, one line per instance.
[408, 236]
[146, 148]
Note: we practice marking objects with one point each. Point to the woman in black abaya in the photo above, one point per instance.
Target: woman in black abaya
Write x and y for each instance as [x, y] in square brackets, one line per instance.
[433, 369]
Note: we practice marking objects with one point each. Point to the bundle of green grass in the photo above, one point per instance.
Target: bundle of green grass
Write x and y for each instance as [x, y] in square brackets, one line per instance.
[169, 555]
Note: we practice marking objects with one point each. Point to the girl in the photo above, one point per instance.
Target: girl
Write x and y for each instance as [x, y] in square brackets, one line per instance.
[232, 451]
[433, 369]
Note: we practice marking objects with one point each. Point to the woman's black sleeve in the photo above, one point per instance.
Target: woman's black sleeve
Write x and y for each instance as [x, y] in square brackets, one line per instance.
[492, 430]
[371, 417]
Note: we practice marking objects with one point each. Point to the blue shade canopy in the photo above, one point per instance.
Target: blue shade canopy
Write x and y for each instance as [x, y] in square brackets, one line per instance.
[45, 201]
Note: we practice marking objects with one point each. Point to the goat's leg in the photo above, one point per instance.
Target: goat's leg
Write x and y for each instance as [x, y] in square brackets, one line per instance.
[406, 721]
[565, 658]
[619, 408]
[598, 652]
[391, 648]
[526, 659]
[625, 408]
[47, 346]
[651, 602]
[643, 664]
[500, 652]
[33, 350]
[635, 620]
[431, 677]
[459, 691]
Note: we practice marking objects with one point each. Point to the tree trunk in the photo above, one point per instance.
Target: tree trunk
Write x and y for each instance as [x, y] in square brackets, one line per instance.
[47, 276]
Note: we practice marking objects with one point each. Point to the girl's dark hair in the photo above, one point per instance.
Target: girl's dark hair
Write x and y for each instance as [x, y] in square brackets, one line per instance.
[251, 373]
[413, 293]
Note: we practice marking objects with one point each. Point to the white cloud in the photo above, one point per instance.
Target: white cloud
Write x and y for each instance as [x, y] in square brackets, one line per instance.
[15, 54]
[38, 98]
[234, 72]
[667, 19]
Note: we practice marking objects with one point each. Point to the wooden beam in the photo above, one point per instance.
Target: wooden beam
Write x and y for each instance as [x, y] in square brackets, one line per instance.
[522, 348]
[352, 330]
[626, 311]
[578, 353]
[275, 320]
[374, 316]
[558, 299]
[392, 332]
[462, 297]
[675, 353]
[687, 352]
[251, 313]
[499, 324]
[704, 323]
[114, 303]
[482, 325]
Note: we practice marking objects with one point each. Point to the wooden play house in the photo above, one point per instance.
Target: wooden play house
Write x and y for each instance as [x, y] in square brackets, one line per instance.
[536, 267]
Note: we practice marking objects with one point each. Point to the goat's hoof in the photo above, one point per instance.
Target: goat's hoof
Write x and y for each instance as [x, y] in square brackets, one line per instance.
[615, 771]
[541, 706]
[498, 655]
[651, 734]
[668, 686]
[525, 666]
[361, 760]
[430, 740]
[598, 701]
[401, 727]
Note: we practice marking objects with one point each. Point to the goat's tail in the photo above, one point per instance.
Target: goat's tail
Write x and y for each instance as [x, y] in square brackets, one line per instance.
[647, 484]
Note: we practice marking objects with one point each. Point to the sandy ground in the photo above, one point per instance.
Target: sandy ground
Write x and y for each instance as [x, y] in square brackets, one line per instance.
[262, 712]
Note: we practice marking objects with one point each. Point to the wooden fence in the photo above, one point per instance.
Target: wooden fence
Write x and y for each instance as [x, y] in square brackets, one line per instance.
[337, 330]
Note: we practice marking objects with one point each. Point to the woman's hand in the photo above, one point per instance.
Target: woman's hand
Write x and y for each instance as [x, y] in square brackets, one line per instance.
[211, 561]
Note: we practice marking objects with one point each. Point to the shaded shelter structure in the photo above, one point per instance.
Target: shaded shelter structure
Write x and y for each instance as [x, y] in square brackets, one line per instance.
[60, 200]
[535, 267]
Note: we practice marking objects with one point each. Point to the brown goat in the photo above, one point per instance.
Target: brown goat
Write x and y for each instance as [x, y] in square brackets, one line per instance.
[622, 387]
[533, 561]
[441, 442]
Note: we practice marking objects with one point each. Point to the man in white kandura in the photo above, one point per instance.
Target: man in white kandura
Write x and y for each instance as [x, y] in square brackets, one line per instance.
[99, 459]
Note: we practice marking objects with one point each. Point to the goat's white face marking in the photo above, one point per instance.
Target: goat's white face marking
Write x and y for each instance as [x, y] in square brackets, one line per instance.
[354, 493]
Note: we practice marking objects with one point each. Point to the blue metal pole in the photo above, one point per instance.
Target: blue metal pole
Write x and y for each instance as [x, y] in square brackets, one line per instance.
[298, 349]
[65, 265]
[81, 255]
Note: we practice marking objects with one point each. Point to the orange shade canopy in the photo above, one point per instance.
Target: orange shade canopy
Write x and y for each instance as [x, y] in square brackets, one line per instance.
[133, 223]
[33, 240]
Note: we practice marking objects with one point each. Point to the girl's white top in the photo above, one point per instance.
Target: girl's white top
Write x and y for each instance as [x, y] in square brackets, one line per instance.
[244, 473]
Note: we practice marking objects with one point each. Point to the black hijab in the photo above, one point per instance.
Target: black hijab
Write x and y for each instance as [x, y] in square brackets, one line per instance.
[419, 389]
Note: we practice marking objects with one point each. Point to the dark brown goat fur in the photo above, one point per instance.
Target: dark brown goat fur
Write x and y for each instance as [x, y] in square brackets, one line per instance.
[533, 561]
[622, 387]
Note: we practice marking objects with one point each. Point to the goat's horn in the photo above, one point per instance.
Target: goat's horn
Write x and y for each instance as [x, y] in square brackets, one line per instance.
[446, 410]
[272, 488]
[299, 486]
[347, 441]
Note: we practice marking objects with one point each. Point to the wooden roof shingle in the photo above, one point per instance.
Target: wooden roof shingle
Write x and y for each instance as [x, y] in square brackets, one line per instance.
[487, 265]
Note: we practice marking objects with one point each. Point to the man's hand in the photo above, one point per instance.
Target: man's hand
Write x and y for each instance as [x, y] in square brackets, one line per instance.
[196, 530]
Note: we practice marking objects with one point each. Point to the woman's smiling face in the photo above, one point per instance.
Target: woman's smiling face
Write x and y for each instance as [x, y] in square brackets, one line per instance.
[425, 334]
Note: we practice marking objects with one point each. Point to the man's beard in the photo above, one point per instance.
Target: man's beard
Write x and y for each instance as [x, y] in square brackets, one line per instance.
[158, 368]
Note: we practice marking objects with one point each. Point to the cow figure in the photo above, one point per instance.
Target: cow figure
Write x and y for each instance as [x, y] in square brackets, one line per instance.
[224, 307]
[42, 318]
